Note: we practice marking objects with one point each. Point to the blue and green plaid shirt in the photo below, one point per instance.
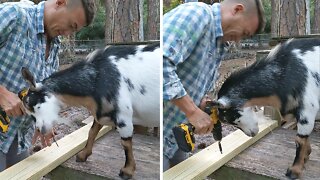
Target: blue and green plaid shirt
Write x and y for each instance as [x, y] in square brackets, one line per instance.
[23, 44]
[192, 50]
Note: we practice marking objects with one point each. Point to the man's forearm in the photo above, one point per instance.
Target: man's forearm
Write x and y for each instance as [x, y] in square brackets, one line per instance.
[3, 90]
[185, 104]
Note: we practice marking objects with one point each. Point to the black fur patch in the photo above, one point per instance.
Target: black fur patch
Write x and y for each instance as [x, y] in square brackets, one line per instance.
[121, 51]
[316, 76]
[34, 97]
[151, 47]
[129, 83]
[302, 136]
[303, 121]
[229, 115]
[142, 89]
[298, 149]
[121, 124]
[126, 139]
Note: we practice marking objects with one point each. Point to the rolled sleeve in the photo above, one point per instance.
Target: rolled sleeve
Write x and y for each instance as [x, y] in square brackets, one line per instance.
[172, 87]
[183, 27]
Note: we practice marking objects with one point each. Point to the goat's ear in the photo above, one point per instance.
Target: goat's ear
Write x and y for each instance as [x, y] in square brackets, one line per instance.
[27, 75]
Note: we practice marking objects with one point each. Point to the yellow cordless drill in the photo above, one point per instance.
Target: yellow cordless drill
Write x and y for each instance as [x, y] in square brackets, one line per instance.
[184, 133]
[4, 119]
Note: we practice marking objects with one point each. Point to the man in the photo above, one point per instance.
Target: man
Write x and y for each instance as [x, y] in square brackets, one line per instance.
[29, 38]
[193, 38]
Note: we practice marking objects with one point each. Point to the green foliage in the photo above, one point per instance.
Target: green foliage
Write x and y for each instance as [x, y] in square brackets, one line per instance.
[173, 4]
[97, 29]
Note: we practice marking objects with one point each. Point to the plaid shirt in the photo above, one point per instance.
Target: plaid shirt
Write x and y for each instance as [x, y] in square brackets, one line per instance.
[192, 50]
[23, 44]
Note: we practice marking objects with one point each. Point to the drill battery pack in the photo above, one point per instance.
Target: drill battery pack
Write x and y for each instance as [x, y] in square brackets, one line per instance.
[184, 137]
[4, 121]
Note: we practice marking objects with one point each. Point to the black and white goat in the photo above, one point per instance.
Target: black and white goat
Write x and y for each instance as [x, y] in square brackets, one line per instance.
[118, 84]
[288, 79]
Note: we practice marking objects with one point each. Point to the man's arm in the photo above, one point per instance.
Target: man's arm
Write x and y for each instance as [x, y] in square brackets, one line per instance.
[183, 27]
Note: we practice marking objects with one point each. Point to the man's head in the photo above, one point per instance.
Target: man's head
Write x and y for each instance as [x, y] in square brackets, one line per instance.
[241, 19]
[64, 17]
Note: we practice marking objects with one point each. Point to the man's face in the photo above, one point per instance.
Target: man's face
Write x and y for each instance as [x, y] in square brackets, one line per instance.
[66, 21]
[242, 28]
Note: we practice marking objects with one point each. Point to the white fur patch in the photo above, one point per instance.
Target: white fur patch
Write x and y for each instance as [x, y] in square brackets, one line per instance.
[224, 101]
[248, 122]
[47, 113]
[311, 96]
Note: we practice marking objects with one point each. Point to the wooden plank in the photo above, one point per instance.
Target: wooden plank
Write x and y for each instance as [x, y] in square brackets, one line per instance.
[210, 159]
[44, 161]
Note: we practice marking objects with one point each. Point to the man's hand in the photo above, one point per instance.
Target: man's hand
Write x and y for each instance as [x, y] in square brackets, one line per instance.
[11, 103]
[204, 101]
[44, 138]
[199, 119]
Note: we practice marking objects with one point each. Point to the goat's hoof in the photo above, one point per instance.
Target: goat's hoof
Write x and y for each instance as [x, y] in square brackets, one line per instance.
[291, 174]
[125, 175]
[81, 158]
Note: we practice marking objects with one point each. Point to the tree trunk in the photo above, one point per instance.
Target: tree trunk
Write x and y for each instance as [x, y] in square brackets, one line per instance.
[275, 18]
[308, 25]
[316, 18]
[122, 21]
[141, 12]
[288, 17]
[153, 20]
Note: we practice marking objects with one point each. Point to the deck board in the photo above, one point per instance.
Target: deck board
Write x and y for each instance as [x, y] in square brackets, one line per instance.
[273, 154]
[108, 158]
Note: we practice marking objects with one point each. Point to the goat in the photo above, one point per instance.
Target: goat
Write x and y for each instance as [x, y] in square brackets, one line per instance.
[118, 84]
[287, 79]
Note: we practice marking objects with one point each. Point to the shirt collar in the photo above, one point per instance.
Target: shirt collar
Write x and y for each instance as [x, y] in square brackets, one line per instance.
[40, 18]
[216, 11]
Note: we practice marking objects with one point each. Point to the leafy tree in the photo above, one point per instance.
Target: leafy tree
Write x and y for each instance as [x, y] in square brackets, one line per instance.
[96, 29]
[173, 4]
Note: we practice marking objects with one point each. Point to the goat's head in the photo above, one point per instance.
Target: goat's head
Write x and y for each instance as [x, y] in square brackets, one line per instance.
[243, 118]
[40, 103]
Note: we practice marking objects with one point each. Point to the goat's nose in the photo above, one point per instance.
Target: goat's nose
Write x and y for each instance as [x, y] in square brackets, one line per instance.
[253, 134]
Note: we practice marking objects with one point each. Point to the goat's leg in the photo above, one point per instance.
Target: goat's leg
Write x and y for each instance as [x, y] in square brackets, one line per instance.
[87, 150]
[303, 151]
[127, 171]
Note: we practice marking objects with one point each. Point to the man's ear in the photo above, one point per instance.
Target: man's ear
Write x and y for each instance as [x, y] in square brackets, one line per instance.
[238, 8]
[61, 2]
[27, 75]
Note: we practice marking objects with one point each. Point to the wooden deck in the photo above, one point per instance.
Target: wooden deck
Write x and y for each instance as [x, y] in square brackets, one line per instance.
[270, 157]
[108, 158]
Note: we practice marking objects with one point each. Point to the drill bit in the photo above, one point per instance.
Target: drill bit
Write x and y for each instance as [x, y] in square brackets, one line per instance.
[220, 147]
[54, 140]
